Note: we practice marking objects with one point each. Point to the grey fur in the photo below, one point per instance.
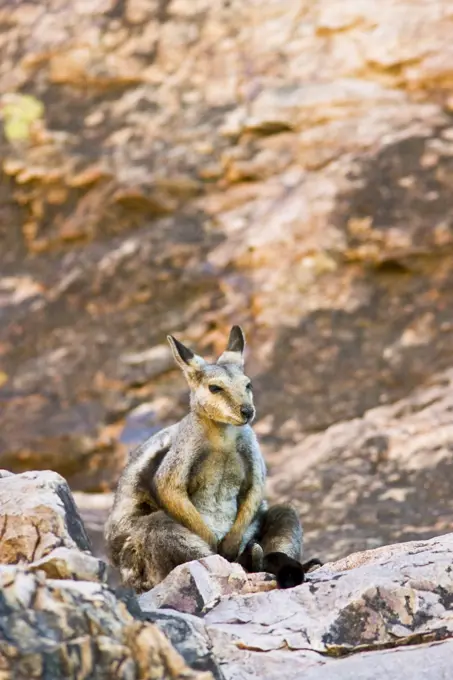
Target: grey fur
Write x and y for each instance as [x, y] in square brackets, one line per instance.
[197, 487]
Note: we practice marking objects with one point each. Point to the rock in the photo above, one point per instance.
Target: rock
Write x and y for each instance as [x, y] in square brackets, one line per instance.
[417, 663]
[37, 515]
[195, 587]
[393, 603]
[374, 480]
[78, 630]
[57, 618]
[160, 176]
[303, 191]
[65, 563]
[189, 637]
[41, 527]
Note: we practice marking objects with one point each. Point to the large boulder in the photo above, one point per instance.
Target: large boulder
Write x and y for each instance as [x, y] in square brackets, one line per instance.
[54, 630]
[394, 603]
[41, 527]
[57, 618]
[37, 514]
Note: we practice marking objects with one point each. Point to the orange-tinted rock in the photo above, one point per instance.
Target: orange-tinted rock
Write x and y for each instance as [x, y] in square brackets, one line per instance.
[163, 176]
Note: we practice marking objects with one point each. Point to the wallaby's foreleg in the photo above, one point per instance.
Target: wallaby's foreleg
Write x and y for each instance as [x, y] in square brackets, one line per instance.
[154, 545]
[172, 493]
[230, 545]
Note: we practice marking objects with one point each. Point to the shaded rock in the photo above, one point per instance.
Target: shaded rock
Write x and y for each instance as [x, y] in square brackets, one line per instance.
[37, 515]
[374, 480]
[189, 637]
[197, 586]
[66, 563]
[78, 629]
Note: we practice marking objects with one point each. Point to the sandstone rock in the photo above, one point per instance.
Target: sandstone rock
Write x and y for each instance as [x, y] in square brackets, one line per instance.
[188, 635]
[374, 480]
[393, 603]
[163, 176]
[78, 630]
[302, 190]
[195, 587]
[66, 563]
[417, 663]
[41, 527]
[37, 514]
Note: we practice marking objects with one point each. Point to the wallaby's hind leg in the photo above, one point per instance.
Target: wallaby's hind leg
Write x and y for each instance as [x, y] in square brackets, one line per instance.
[281, 539]
[156, 544]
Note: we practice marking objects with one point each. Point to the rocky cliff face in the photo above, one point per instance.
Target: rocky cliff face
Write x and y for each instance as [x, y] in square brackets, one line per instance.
[181, 166]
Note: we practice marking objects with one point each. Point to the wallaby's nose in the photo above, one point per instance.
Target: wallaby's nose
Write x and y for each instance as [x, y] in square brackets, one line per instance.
[247, 411]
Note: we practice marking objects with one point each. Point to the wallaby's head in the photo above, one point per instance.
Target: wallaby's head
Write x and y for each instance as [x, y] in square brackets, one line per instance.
[220, 391]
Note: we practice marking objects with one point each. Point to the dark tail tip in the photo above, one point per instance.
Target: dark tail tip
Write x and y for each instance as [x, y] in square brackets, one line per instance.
[288, 572]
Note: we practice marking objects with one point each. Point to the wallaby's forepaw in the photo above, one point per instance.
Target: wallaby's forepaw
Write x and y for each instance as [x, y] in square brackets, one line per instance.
[288, 572]
[229, 548]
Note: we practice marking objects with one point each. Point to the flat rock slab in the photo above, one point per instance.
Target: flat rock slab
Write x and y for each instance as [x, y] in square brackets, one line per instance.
[430, 661]
[385, 602]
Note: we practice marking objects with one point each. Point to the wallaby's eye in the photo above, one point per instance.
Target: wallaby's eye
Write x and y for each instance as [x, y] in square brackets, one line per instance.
[249, 386]
[215, 388]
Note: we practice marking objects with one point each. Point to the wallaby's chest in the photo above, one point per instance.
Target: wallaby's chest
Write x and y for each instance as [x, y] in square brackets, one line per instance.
[217, 479]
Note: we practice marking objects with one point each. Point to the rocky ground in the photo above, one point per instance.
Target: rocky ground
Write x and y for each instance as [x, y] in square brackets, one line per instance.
[183, 165]
[386, 612]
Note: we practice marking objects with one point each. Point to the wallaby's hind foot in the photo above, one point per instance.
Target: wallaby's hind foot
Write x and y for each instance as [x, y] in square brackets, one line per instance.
[252, 558]
[312, 563]
[257, 557]
[288, 572]
[147, 551]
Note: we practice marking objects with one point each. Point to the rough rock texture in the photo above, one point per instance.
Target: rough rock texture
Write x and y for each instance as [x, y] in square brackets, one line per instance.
[65, 563]
[65, 629]
[41, 527]
[180, 165]
[37, 515]
[57, 620]
[195, 587]
[375, 480]
[383, 600]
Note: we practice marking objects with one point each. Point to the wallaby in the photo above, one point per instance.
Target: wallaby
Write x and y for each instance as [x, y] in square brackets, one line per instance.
[197, 488]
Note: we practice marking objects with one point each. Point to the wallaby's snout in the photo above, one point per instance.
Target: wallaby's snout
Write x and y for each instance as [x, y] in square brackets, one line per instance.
[248, 412]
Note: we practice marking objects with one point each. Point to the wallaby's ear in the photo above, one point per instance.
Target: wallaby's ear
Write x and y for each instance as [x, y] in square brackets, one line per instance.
[234, 353]
[184, 356]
